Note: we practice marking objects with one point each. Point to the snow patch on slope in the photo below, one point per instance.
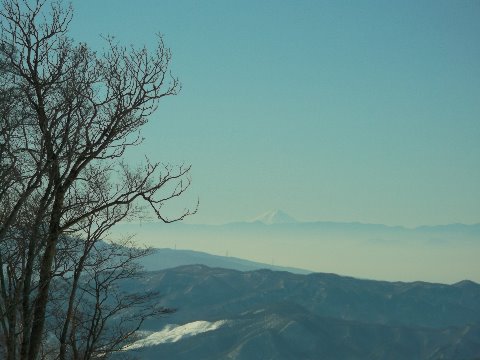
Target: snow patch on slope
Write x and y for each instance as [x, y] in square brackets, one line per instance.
[174, 333]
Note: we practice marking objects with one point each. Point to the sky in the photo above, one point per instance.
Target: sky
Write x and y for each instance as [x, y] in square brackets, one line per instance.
[362, 111]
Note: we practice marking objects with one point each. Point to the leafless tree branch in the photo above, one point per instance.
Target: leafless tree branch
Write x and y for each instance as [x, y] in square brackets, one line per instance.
[67, 117]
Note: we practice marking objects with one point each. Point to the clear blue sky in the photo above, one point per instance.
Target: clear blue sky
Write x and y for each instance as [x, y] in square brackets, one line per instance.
[330, 110]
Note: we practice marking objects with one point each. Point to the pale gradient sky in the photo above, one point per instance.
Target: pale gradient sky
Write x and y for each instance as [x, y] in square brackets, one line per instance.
[330, 110]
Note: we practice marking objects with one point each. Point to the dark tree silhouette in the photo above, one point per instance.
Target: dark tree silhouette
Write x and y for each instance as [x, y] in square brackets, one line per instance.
[67, 116]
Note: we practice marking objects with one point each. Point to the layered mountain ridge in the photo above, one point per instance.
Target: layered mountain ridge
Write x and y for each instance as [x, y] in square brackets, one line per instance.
[266, 314]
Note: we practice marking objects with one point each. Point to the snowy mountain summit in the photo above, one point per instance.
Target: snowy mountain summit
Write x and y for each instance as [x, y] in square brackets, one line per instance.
[275, 217]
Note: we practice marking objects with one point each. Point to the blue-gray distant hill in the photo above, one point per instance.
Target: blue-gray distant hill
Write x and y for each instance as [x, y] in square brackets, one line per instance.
[162, 259]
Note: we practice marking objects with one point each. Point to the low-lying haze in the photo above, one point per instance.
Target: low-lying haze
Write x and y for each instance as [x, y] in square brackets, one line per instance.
[445, 254]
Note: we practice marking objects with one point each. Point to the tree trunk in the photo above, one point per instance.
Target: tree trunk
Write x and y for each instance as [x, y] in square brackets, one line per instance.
[38, 323]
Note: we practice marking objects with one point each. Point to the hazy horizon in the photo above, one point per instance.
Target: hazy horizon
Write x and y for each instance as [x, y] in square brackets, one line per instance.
[331, 111]
[341, 111]
[439, 254]
[240, 179]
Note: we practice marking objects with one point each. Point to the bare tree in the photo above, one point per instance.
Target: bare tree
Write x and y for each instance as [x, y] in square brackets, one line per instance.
[90, 316]
[67, 116]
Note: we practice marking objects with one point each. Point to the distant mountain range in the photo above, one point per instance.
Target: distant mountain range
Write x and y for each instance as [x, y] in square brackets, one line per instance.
[282, 220]
[445, 253]
[230, 308]
[278, 216]
[263, 314]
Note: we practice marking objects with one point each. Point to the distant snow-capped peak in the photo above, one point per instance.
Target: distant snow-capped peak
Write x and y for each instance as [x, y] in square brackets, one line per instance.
[275, 217]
